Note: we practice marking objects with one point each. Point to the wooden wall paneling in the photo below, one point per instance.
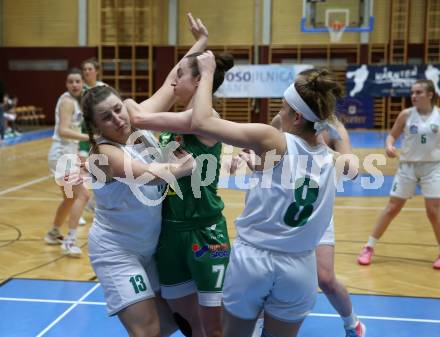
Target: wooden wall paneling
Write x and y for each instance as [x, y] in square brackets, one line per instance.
[29, 23]
[230, 22]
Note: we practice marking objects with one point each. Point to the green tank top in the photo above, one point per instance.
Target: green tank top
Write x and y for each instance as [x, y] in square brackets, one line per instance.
[192, 212]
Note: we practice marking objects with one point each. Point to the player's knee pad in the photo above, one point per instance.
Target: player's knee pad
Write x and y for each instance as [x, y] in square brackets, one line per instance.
[183, 324]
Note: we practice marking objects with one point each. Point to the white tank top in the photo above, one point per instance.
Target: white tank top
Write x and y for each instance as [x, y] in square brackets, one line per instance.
[421, 141]
[98, 84]
[75, 122]
[122, 221]
[291, 220]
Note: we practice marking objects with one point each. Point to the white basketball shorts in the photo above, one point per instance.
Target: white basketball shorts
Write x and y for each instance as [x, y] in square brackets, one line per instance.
[409, 174]
[126, 278]
[284, 285]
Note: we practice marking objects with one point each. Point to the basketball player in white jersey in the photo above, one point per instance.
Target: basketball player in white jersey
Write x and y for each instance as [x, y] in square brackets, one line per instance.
[419, 164]
[125, 231]
[273, 265]
[67, 134]
[335, 291]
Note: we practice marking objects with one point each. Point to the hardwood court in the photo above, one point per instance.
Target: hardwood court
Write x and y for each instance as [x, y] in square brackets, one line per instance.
[29, 196]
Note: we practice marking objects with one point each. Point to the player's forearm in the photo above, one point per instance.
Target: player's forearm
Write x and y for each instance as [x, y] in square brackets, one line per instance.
[390, 140]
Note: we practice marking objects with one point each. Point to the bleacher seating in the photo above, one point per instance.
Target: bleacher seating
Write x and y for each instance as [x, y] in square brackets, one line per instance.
[29, 115]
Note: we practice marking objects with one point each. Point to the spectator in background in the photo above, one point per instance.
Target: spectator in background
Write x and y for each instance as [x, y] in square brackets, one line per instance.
[9, 119]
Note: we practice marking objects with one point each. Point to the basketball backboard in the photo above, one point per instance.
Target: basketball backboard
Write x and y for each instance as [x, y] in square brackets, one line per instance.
[319, 15]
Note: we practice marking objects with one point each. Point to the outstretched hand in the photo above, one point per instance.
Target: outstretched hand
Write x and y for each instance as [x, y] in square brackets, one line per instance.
[206, 62]
[197, 28]
[245, 156]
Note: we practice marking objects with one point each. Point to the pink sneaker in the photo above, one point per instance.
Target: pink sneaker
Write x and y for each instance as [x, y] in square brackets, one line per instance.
[365, 256]
[436, 264]
[358, 331]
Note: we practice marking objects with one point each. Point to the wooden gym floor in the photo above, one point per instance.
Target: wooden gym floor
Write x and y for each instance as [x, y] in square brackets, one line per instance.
[29, 197]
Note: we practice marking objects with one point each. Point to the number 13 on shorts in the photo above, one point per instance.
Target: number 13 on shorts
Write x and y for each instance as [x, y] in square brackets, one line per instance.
[219, 269]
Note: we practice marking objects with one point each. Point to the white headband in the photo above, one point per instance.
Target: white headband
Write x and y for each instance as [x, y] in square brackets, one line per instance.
[296, 102]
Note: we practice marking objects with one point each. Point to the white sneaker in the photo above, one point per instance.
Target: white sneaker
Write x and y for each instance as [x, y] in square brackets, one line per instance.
[82, 221]
[70, 248]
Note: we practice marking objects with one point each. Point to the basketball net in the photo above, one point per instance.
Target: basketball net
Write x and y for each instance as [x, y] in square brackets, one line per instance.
[336, 29]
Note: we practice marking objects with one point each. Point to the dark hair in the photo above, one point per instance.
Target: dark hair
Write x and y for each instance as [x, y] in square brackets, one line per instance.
[429, 87]
[74, 71]
[92, 61]
[320, 91]
[90, 100]
[224, 62]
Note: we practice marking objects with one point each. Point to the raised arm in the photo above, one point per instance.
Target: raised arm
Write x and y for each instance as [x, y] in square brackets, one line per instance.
[159, 121]
[163, 99]
[258, 137]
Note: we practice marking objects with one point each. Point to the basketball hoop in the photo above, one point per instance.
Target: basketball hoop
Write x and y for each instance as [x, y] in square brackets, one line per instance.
[336, 29]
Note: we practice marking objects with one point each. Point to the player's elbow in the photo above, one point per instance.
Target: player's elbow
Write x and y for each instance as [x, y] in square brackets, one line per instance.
[197, 124]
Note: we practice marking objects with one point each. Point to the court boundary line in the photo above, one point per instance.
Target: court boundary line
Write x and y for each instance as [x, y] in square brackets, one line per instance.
[23, 185]
[37, 199]
[81, 302]
[93, 282]
[39, 300]
[64, 314]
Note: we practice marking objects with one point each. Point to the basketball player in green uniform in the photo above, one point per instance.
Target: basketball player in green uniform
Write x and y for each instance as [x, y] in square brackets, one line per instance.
[194, 247]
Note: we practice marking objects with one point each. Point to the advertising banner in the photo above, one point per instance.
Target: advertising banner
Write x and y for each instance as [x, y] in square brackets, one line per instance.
[259, 81]
[388, 80]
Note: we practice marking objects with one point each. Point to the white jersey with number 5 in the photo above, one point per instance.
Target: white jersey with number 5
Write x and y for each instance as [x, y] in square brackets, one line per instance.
[292, 205]
[421, 142]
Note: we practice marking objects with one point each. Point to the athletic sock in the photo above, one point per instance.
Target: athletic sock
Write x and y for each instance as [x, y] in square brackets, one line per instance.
[371, 241]
[72, 234]
[350, 321]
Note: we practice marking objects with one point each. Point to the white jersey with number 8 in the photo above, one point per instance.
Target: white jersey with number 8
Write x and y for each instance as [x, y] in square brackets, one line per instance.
[292, 205]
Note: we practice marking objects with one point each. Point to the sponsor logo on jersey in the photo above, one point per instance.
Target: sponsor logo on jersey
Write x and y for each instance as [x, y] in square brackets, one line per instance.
[434, 128]
[413, 129]
[216, 251]
[199, 251]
